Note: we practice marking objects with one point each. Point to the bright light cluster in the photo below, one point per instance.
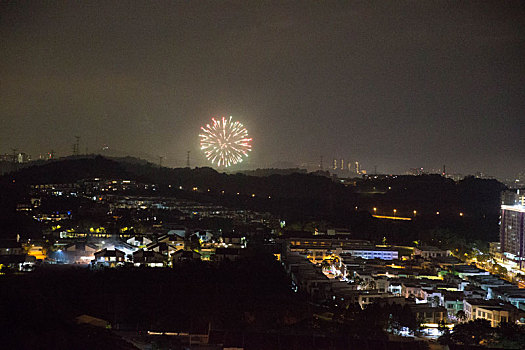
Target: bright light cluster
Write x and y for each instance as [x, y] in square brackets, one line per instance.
[225, 142]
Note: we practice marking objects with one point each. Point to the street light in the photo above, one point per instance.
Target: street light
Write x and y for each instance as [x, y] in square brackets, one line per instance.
[415, 212]
[395, 211]
[375, 210]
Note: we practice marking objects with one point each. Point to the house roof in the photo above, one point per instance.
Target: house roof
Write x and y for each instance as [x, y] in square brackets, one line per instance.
[148, 256]
[163, 246]
[186, 253]
[148, 253]
[489, 304]
[170, 238]
[80, 246]
[426, 308]
[109, 253]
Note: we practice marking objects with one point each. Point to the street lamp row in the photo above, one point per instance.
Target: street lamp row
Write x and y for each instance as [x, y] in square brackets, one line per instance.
[414, 212]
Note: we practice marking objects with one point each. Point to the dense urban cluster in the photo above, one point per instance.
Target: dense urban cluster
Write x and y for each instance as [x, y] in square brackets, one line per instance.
[112, 229]
[315, 277]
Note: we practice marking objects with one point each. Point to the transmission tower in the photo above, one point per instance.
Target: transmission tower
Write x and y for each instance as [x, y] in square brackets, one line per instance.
[76, 145]
[188, 159]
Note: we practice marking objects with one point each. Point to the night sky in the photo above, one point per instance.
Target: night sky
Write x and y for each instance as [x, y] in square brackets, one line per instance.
[391, 84]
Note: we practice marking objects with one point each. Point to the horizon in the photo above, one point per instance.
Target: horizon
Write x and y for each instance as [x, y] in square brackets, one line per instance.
[390, 85]
[237, 170]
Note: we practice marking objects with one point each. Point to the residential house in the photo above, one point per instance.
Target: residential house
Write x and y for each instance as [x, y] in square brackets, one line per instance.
[77, 253]
[428, 314]
[139, 241]
[453, 302]
[13, 255]
[149, 258]
[428, 252]
[176, 241]
[162, 248]
[411, 290]
[109, 258]
[491, 310]
[231, 254]
[181, 256]
[512, 294]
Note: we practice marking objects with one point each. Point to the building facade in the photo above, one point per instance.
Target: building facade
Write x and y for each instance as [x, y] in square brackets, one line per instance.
[512, 232]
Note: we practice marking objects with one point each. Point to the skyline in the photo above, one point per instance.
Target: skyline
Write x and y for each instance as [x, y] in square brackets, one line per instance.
[396, 86]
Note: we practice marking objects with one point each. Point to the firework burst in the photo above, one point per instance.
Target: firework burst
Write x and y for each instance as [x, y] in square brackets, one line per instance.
[225, 142]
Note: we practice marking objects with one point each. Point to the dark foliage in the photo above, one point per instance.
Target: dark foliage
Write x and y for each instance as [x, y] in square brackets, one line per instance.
[298, 198]
[479, 332]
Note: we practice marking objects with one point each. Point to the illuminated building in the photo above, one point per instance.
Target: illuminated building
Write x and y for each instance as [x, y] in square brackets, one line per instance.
[23, 158]
[77, 253]
[512, 232]
[490, 310]
[427, 314]
[108, 257]
[149, 258]
[318, 249]
[430, 252]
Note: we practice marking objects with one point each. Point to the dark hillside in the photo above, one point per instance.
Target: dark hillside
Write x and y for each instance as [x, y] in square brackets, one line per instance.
[468, 209]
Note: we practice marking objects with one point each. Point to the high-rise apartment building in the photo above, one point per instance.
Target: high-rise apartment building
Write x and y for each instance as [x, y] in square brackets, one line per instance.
[512, 229]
